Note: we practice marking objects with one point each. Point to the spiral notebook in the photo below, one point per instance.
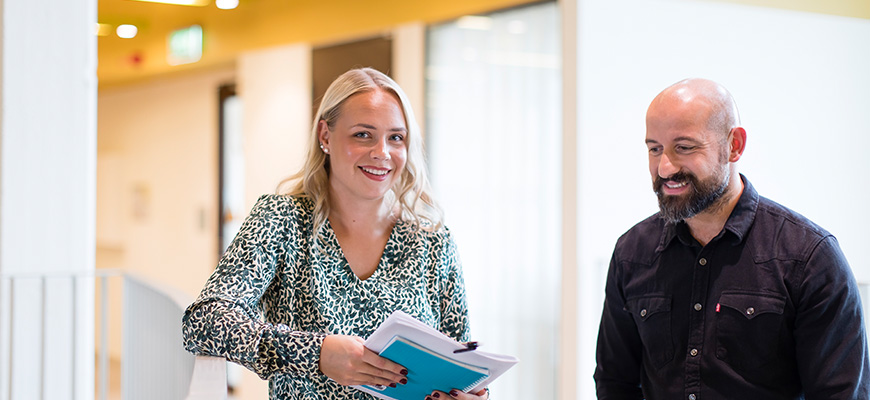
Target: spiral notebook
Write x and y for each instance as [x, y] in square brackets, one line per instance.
[429, 357]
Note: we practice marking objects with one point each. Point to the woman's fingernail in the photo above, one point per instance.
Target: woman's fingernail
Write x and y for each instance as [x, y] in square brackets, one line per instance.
[403, 381]
[392, 385]
[454, 393]
[436, 395]
[404, 371]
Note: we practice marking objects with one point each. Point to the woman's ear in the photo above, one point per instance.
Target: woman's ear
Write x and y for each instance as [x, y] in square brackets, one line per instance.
[323, 132]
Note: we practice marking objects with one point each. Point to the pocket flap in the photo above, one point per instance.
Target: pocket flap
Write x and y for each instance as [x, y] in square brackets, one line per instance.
[644, 307]
[751, 305]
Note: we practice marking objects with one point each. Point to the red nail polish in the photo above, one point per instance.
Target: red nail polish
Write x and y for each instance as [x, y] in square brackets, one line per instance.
[403, 381]
[436, 394]
[392, 385]
[454, 393]
[404, 372]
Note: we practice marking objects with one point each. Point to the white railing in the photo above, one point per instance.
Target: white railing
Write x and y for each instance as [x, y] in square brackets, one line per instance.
[154, 364]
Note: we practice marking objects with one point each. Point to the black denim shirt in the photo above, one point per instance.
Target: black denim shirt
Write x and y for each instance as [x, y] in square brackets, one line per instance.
[769, 309]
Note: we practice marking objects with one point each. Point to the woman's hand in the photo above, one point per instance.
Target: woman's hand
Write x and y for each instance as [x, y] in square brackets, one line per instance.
[458, 395]
[348, 362]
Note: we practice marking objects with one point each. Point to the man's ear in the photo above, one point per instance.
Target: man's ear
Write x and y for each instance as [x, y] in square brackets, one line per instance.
[736, 143]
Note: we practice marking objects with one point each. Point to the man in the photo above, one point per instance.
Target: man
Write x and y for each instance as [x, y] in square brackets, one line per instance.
[724, 294]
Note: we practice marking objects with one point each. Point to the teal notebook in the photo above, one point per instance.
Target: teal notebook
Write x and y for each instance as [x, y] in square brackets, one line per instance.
[427, 371]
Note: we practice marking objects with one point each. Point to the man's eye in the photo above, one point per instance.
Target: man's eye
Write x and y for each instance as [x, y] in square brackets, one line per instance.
[655, 150]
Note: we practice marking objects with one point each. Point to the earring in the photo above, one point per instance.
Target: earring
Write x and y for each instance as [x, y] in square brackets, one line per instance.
[325, 150]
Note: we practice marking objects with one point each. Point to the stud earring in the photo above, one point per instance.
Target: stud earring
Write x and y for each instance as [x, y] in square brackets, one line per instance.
[325, 150]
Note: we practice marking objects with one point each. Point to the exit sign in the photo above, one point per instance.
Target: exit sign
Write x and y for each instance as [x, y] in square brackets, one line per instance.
[185, 45]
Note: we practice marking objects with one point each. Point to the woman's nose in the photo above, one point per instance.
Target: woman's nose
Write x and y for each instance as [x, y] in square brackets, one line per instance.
[381, 150]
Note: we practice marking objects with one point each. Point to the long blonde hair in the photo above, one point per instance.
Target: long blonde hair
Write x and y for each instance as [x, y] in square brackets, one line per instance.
[411, 191]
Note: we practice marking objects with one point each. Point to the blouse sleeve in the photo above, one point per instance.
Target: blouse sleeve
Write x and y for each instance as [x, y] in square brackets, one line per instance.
[454, 307]
[226, 319]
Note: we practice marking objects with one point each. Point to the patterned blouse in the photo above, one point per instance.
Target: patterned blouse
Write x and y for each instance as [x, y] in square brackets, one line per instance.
[281, 288]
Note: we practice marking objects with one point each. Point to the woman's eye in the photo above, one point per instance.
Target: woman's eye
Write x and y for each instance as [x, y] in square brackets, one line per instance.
[397, 137]
[361, 134]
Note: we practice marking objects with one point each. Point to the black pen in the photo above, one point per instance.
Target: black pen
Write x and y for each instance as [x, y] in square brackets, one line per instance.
[469, 346]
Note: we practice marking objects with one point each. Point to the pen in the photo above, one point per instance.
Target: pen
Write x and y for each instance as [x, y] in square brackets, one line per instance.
[469, 346]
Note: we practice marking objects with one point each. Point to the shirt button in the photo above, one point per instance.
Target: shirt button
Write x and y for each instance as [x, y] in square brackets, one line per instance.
[750, 311]
[702, 261]
[643, 312]
[698, 306]
[692, 397]
[693, 352]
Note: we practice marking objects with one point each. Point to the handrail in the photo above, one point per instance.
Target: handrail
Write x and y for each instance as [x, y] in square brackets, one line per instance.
[152, 323]
[209, 380]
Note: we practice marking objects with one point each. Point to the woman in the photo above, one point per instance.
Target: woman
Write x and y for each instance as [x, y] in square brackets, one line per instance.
[316, 269]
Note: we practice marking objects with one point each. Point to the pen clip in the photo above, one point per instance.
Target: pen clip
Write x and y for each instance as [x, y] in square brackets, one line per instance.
[469, 346]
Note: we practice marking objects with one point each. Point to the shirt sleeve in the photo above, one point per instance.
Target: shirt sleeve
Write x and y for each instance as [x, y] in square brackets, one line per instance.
[618, 356]
[830, 336]
[453, 303]
[226, 319]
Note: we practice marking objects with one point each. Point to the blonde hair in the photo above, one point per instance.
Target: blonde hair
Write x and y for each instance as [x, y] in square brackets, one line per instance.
[411, 191]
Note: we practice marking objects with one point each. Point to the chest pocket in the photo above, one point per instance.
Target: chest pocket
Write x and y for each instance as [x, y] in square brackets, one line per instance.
[652, 315]
[749, 327]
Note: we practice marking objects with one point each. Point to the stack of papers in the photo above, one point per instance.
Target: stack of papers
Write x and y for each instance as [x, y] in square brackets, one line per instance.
[429, 357]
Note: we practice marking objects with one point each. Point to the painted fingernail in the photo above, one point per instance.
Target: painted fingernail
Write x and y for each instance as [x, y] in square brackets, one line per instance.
[436, 394]
[392, 385]
[404, 371]
[403, 381]
[454, 393]
[428, 398]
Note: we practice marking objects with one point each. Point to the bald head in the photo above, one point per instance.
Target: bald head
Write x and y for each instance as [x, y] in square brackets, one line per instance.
[699, 100]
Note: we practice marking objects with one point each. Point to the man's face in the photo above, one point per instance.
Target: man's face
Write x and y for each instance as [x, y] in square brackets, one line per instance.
[688, 162]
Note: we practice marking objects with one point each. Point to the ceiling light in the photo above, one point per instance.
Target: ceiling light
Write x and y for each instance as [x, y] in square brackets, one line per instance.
[226, 4]
[198, 3]
[127, 31]
[104, 29]
[474, 22]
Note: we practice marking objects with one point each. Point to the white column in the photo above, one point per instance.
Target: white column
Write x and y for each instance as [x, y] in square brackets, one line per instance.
[275, 88]
[47, 195]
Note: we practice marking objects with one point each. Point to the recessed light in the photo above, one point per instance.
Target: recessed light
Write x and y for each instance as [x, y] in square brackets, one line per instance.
[103, 29]
[226, 4]
[198, 3]
[126, 31]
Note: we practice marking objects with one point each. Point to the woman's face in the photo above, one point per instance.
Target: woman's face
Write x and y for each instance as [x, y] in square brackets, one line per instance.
[366, 146]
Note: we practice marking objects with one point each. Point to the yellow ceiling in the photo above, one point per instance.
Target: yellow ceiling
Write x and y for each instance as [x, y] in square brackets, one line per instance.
[255, 24]
[263, 23]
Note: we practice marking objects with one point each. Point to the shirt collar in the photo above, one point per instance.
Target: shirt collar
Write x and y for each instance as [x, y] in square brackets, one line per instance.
[738, 222]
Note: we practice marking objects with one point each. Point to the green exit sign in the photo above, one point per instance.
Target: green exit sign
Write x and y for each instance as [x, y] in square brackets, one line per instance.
[185, 45]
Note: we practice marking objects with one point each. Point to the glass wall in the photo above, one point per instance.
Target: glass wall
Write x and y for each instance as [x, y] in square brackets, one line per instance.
[494, 134]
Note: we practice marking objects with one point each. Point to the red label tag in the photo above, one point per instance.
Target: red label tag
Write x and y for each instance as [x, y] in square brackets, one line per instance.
[717, 307]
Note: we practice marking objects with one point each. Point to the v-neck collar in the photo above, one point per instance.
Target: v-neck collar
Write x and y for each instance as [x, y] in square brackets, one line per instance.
[390, 253]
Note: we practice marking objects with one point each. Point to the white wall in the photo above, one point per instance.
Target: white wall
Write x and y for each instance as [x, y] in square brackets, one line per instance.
[158, 145]
[802, 86]
[47, 190]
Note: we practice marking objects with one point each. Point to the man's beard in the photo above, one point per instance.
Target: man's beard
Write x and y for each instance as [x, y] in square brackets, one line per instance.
[702, 195]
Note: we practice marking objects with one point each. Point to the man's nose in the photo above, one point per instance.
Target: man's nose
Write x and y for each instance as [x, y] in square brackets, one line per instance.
[667, 166]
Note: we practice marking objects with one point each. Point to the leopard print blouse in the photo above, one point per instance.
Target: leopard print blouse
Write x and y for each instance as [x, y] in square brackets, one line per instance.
[281, 288]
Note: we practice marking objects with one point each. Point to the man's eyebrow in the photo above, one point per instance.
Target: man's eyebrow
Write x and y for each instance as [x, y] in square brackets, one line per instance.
[650, 141]
[687, 139]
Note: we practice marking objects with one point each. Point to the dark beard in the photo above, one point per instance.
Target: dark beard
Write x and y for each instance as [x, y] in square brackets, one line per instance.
[703, 195]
